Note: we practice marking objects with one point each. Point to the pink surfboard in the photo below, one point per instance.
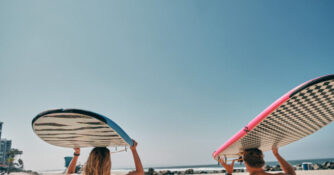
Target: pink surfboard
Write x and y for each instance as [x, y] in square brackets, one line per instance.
[297, 114]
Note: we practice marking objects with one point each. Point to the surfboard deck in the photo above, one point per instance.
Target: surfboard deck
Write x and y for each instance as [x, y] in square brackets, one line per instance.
[297, 114]
[74, 128]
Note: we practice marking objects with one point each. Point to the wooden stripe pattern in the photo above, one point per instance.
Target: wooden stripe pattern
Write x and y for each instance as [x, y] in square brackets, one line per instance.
[304, 113]
[76, 130]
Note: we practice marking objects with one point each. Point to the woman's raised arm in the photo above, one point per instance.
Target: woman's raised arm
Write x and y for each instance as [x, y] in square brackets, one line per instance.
[139, 167]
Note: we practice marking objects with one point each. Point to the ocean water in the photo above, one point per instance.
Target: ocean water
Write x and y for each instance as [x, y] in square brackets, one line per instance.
[298, 162]
[211, 167]
[216, 167]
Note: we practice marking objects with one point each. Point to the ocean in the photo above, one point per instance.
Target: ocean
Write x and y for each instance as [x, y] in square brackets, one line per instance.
[216, 167]
[210, 167]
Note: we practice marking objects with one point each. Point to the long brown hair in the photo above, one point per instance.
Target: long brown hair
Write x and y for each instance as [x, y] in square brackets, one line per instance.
[99, 162]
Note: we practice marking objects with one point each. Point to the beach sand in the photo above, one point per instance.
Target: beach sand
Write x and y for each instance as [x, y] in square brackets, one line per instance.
[311, 172]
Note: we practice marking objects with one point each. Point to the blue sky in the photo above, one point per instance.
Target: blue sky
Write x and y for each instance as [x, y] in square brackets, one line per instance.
[180, 77]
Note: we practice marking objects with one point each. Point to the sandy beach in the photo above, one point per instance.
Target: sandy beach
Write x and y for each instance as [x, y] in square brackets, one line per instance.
[300, 172]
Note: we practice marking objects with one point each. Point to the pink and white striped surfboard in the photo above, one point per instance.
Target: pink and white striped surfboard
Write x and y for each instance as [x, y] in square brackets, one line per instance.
[295, 115]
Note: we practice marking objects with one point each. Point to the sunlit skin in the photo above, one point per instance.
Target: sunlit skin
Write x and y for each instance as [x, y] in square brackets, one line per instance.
[139, 167]
[287, 168]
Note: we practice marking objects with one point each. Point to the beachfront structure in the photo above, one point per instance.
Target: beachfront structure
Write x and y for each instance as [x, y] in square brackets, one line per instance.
[0, 129]
[5, 146]
[0, 133]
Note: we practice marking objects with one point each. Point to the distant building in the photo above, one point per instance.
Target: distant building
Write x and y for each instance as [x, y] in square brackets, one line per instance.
[0, 138]
[0, 134]
[5, 146]
[0, 129]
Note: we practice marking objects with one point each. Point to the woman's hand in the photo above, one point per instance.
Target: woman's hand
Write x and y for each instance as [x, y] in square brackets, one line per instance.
[73, 164]
[275, 151]
[139, 166]
[77, 150]
[229, 168]
[134, 146]
[286, 167]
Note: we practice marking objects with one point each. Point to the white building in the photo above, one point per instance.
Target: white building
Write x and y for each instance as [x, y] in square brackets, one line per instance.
[0, 135]
[0, 129]
[5, 146]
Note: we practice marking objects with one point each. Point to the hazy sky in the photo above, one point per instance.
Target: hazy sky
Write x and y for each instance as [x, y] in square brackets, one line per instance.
[180, 77]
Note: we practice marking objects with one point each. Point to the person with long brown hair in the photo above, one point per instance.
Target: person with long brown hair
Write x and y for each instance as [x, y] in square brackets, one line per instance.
[99, 162]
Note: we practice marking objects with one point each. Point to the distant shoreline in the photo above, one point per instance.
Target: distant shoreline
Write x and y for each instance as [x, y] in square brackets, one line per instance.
[207, 168]
[310, 172]
[216, 165]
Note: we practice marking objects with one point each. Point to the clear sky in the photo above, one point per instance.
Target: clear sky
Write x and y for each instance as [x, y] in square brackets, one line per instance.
[180, 77]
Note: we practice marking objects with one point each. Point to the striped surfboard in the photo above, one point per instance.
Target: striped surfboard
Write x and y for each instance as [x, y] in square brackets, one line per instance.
[74, 128]
[297, 114]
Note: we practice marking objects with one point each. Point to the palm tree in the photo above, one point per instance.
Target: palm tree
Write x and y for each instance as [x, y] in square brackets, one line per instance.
[11, 154]
[10, 161]
[21, 163]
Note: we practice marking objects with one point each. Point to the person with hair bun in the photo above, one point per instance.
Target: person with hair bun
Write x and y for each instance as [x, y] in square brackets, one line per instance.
[99, 162]
[254, 162]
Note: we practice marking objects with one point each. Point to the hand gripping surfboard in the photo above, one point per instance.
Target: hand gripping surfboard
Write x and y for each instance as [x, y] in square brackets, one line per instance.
[73, 128]
[295, 115]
